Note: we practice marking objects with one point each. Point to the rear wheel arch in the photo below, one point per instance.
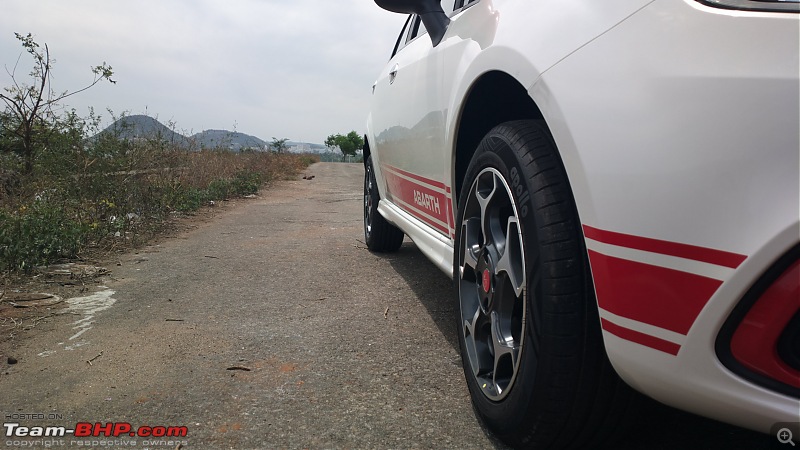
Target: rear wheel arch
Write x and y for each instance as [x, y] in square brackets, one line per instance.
[366, 150]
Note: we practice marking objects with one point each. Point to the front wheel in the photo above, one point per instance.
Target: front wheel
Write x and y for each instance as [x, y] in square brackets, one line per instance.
[528, 326]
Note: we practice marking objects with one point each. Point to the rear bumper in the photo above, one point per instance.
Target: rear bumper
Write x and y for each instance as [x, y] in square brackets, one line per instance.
[760, 341]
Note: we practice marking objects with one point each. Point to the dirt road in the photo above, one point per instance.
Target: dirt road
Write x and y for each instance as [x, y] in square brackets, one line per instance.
[269, 327]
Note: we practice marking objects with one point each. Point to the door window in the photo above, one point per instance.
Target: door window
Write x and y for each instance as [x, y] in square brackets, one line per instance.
[414, 27]
[401, 40]
[460, 4]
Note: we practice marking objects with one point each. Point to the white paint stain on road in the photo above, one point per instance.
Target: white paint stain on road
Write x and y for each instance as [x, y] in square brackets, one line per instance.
[88, 307]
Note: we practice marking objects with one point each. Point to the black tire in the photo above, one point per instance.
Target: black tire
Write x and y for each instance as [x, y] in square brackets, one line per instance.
[528, 324]
[379, 235]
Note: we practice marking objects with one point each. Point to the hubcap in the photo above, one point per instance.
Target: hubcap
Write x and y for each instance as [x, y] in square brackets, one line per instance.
[492, 284]
[485, 275]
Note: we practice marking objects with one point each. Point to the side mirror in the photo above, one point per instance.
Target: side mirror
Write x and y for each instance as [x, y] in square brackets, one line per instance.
[430, 11]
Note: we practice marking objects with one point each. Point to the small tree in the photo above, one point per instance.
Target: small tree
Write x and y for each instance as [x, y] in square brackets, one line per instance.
[348, 144]
[279, 145]
[29, 107]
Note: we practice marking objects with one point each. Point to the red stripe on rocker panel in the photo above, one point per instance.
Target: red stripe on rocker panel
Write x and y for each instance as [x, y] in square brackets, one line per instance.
[419, 178]
[423, 200]
[708, 255]
[640, 338]
[657, 296]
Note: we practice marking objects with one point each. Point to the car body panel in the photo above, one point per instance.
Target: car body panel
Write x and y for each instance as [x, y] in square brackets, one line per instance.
[404, 129]
[679, 128]
[701, 178]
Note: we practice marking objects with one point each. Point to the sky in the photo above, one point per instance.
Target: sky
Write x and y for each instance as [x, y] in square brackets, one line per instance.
[296, 69]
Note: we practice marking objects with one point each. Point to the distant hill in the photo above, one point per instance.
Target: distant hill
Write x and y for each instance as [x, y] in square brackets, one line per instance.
[227, 139]
[145, 127]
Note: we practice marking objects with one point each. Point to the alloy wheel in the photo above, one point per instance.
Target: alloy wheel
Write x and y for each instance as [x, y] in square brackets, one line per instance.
[492, 284]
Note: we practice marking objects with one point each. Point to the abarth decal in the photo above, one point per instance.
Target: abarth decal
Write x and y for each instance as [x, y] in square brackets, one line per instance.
[427, 200]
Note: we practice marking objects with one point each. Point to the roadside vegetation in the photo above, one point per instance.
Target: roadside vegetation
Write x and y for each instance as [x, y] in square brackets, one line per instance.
[67, 190]
[349, 144]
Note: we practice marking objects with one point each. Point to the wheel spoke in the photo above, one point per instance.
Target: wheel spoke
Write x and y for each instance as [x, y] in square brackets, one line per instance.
[484, 194]
[469, 334]
[472, 245]
[476, 345]
[512, 261]
[505, 355]
[501, 340]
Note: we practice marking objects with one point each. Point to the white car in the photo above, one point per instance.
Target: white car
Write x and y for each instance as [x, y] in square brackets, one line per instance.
[614, 187]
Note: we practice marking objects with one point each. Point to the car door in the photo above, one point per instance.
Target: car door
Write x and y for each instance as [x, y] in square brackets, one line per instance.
[407, 122]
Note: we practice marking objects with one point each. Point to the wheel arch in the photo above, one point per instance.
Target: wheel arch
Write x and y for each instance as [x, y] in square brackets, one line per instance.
[366, 152]
[495, 97]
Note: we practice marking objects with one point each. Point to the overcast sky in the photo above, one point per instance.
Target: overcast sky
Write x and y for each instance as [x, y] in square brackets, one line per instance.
[299, 69]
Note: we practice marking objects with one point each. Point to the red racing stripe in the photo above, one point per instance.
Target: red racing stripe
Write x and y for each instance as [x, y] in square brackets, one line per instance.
[419, 178]
[707, 255]
[654, 295]
[640, 338]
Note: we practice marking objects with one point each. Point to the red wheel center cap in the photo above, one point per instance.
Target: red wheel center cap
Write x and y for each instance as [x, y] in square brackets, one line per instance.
[487, 281]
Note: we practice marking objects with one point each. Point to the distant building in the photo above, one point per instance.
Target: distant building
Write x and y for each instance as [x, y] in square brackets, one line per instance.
[300, 148]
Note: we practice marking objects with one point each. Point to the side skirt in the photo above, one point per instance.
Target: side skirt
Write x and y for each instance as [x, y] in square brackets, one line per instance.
[434, 245]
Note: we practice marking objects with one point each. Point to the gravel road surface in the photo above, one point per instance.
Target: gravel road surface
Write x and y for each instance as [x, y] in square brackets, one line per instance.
[272, 326]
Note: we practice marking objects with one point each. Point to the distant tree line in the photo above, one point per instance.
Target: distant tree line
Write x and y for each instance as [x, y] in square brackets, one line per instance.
[348, 144]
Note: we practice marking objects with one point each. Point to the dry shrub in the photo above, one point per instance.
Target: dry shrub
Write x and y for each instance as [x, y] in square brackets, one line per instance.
[203, 167]
[119, 193]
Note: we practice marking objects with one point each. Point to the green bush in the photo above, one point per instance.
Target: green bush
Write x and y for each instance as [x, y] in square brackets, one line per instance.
[190, 199]
[38, 235]
[247, 183]
[242, 184]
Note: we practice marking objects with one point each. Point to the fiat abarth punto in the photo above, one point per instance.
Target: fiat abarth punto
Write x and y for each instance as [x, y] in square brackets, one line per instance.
[614, 187]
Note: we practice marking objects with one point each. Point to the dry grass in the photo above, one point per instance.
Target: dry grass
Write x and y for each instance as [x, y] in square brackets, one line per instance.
[202, 168]
[112, 193]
